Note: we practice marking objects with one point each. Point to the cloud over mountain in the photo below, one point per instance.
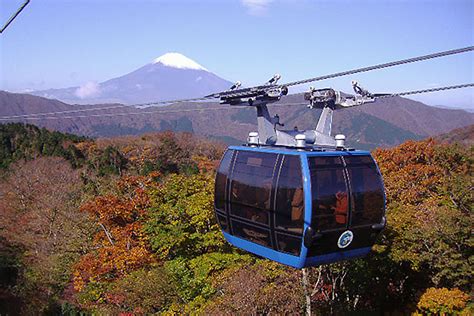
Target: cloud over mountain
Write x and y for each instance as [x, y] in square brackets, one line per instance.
[88, 90]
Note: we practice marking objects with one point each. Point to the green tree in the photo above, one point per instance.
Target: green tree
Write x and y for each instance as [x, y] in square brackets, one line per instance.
[181, 219]
[25, 141]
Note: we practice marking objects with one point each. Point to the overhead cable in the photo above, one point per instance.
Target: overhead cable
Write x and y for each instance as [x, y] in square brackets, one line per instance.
[68, 111]
[10, 20]
[385, 65]
[103, 108]
[170, 102]
[339, 74]
[466, 85]
[217, 95]
[120, 114]
[36, 117]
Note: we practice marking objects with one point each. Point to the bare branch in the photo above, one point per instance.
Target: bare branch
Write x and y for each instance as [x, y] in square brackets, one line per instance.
[107, 233]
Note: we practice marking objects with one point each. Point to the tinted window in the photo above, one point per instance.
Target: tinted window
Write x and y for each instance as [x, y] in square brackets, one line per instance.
[357, 160]
[221, 181]
[367, 190]
[289, 243]
[251, 186]
[322, 162]
[329, 193]
[289, 213]
[252, 233]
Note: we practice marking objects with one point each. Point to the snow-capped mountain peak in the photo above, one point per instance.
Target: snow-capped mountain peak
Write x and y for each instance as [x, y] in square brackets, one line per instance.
[178, 60]
[168, 77]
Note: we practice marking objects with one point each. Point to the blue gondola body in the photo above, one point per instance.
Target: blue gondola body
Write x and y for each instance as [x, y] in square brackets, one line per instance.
[254, 204]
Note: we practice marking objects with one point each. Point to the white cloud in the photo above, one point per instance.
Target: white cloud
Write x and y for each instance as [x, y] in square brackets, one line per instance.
[256, 7]
[88, 90]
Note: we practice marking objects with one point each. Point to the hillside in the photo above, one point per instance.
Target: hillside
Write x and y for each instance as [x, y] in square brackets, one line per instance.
[463, 135]
[384, 123]
[26, 142]
[131, 230]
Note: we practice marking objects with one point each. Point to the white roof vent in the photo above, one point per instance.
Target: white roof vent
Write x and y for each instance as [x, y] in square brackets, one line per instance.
[340, 140]
[300, 141]
[253, 140]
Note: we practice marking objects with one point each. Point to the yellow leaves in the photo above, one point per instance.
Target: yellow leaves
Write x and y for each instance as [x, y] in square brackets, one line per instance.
[379, 248]
[442, 301]
[78, 281]
[87, 146]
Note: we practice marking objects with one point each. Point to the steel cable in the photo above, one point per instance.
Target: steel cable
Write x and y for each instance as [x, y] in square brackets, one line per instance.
[381, 66]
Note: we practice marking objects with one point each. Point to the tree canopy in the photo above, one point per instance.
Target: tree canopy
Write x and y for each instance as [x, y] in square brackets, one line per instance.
[127, 226]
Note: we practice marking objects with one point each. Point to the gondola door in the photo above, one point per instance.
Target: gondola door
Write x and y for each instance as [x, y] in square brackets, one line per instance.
[330, 204]
[367, 200]
[250, 191]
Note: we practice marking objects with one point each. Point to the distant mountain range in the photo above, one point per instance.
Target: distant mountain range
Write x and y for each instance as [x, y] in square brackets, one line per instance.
[462, 135]
[470, 109]
[171, 76]
[387, 122]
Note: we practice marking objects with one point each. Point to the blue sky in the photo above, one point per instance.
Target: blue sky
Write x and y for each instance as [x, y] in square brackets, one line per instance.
[63, 43]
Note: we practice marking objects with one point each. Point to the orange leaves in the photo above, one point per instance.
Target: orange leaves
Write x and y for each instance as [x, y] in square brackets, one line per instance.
[411, 172]
[204, 164]
[109, 263]
[126, 206]
[120, 245]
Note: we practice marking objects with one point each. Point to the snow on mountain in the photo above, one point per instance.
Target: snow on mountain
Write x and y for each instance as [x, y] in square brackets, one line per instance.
[170, 76]
[178, 60]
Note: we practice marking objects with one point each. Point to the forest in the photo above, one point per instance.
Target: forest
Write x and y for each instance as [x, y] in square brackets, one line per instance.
[125, 226]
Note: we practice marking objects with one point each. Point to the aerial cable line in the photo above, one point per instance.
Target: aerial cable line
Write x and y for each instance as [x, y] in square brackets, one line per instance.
[105, 108]
[460, 86]
[10, 20]
[35, 117]
[219, 94]
[195, 100]
[68, 111]
[39, 115]
[399, 94]
[173, 101]
[385, 65]
[338, 74]
[122, 113]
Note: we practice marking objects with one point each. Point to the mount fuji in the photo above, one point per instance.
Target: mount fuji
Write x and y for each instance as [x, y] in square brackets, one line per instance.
[170, 76]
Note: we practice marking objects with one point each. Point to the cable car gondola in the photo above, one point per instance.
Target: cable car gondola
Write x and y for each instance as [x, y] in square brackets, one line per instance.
[300, 208]
[300, 198]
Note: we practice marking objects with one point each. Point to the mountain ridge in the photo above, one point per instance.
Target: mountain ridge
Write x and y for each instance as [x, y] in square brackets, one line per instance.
[386, 123]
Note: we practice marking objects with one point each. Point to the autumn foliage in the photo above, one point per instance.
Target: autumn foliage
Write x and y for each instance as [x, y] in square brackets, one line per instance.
[429, 199]
[130, 230]
[443, 301]
[120, 246]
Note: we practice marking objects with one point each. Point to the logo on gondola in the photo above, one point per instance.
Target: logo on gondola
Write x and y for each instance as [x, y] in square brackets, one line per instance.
[345, 239]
